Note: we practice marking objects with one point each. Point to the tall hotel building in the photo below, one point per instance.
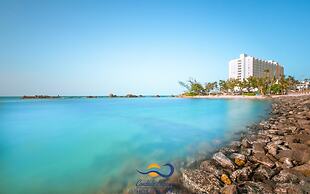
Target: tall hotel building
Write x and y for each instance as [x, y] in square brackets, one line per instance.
[247, 66]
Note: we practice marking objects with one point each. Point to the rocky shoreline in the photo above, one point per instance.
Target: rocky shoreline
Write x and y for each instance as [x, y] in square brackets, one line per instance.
[274, 157]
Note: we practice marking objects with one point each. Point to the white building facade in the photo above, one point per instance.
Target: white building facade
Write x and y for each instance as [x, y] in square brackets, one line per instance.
[246, 66]
[304, 85]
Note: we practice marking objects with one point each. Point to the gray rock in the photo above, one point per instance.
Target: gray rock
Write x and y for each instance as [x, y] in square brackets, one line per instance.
[207, 166]
[222, 160]
[198, 181]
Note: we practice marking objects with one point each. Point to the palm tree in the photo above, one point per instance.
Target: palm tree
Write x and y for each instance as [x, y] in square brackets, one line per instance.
[210, 86]
[232, 84]
[223, 86]
[291, 81]
[252, 82]
[262, 84]
[284, 84]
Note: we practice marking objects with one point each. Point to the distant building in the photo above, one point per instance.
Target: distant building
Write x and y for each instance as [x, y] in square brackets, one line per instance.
[247, 66]
[303, 85]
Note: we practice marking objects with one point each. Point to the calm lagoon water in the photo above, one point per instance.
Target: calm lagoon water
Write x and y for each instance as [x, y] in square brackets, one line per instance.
[93, 145]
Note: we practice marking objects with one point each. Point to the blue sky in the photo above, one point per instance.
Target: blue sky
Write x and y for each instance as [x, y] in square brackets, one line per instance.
[142, 46]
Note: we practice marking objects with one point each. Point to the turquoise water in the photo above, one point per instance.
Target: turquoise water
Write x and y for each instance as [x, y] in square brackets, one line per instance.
[95, 145]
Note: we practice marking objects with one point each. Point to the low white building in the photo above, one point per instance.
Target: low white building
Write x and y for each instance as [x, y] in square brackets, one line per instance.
[246, 66]
[304, 85]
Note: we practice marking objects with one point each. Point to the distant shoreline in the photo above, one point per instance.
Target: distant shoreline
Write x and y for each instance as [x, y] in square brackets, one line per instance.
[68, 97]
[161, 96]
[243, 96]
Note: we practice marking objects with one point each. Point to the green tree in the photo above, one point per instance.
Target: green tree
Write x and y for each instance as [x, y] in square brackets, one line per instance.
[275, 88]
[291, 82]
[263, 85]
[231, 84]
[193, 87]
[210, 86]
[223, 86]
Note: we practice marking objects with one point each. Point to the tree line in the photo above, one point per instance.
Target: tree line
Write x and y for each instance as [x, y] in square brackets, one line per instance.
[249, 86]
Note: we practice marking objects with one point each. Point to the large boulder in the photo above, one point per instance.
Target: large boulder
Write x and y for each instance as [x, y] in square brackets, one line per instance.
[300, 138]
[198, 181]
[263, 159]
[246, 151]
[288, 188]
[263, 173]
[303, 123]
[251, 187]
[222, 160]
[287, 163]
[301, 156]
[303, 169]
[258, 148]
[285, 176]
[239, 159]
[209, 167]
[233, 147]
[272, 147]
[229, 189]
[241, 174]
[245, 143]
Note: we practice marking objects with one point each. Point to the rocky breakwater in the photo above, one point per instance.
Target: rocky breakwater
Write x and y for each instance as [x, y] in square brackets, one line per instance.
[273, 158]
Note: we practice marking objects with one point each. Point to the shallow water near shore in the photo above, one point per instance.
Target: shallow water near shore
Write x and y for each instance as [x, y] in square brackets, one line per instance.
[94, 145]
